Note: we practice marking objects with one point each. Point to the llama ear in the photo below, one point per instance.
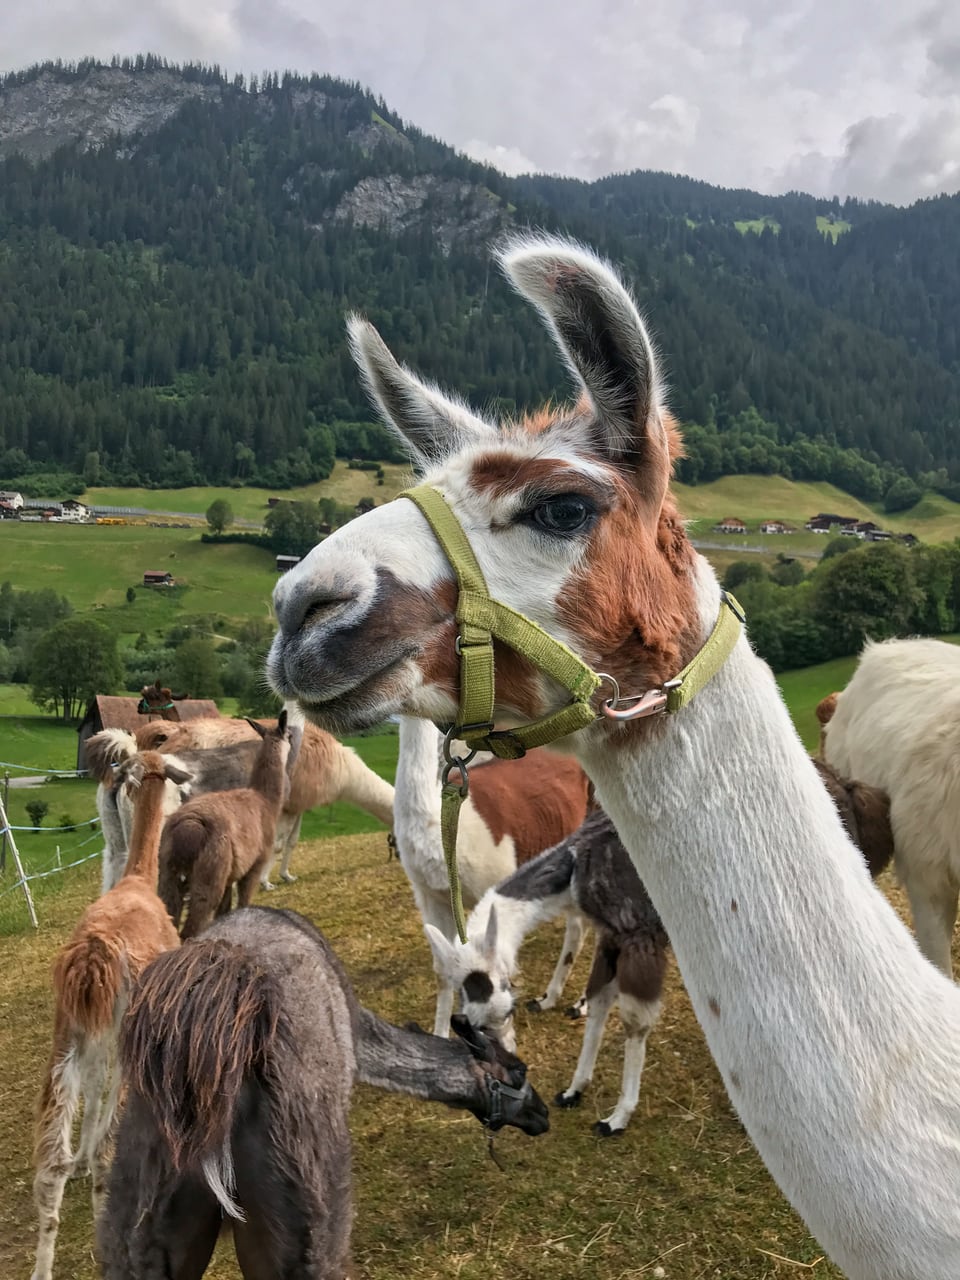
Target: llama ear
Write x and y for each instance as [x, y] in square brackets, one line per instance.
[479, 1045]
[490, 937]
[259, 729]
[431, 424]
[444, 952]
[282, 722]
[175, 774]
[602, 338]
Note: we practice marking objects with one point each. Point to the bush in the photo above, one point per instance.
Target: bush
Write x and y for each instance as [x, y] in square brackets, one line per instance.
[37, 811]
[902, 495]
[67, 821]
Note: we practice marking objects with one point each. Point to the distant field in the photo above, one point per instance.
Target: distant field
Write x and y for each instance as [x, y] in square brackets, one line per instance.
[834, 229]
[757, 225]
[251, 504]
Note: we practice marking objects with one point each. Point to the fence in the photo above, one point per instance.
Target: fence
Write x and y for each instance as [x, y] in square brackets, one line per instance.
[87, 846]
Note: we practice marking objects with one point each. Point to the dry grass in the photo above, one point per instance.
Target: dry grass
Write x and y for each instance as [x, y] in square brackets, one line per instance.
[683, 1190]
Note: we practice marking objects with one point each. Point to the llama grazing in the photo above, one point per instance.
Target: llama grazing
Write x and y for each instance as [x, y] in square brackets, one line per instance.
[325, 772]
[897, 725]
[591, 872]
[838, 1042]
[513, 812]
[116, 938]
[239, 1059]
[224, 838]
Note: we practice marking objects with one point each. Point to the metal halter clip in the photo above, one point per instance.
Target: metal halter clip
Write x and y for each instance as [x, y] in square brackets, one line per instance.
[650, 703]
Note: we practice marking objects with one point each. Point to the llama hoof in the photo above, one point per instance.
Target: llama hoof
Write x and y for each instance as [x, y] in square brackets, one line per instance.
[268, 885]
[576, 1011]
[287, 878]
[535, 1006]
[568, 1100]
[602, 1130]
[78, 1169]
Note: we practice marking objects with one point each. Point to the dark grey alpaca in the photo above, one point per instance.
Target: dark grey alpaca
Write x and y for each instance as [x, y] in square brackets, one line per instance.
[239, 1051]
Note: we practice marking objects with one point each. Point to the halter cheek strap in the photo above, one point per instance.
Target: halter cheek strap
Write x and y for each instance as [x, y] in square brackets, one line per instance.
[481, 619]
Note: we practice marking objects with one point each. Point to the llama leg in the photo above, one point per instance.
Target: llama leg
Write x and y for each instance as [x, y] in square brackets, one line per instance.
[437, 911]
[572, 942]
[58, 1105]
[100, 1162]
[601, 1002]
[226, 902]
[292, 839]
[934, 908]
[93, 1062]
[638, 1018]
[247, 883]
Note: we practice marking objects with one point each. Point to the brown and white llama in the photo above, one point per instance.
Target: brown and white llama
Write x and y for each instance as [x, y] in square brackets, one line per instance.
[325, 772]
[513, 812]
[116, 938]
[897, 726]
[225, 838]
[240, 1057]
[838, 1042]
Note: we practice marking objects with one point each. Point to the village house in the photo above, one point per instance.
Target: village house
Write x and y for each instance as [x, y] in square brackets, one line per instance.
[8, 511]
[776, 526]
[730, 524]
[158, 578]
[287, 562]
[74, 511]
[824, 521]
[8, 497]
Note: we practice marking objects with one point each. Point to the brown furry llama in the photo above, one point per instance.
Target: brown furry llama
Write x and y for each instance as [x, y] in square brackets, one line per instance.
[225, 837]
[116, 938]
[325, 772]
[239, 1053]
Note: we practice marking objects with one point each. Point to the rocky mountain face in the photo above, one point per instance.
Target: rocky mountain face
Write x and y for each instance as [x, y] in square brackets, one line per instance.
[49, 112]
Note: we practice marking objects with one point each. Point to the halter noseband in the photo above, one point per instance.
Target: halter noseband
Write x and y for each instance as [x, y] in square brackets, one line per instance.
[482, 619]
[506, 1103]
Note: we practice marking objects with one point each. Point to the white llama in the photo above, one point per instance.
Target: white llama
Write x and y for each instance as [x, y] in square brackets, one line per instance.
[838, 1042]
[897, 726]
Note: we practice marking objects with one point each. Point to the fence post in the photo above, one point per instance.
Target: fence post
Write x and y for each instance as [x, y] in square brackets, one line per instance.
[5, 825]
[3, 838]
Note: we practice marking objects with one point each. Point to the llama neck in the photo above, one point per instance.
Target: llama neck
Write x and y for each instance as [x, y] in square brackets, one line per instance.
[366, 789]
[415, 1063]
[418, 767]
[268, 775]
[148, 815]
[838, 1043]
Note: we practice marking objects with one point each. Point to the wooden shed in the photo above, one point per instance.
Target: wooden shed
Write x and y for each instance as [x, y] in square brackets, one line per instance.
[108, 712]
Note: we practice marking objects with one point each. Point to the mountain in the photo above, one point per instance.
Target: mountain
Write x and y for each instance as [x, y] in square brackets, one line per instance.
[178, 250]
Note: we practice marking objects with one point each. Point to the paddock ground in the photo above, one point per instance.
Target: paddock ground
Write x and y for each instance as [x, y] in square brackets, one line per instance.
[682, 1195]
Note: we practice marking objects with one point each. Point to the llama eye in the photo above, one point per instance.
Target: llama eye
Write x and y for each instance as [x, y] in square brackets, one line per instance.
[566, 513]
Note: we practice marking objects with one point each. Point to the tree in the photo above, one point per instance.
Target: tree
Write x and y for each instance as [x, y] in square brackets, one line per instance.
[197, 669]
[869, 594]
[838, 547]
[219, 515]
[902, 495]
[72, 663]
[131, 595]
[294, 527]
[741, 571]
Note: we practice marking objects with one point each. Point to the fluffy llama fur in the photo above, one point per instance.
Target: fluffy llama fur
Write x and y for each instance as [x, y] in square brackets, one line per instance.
[240, 1057]
[325, 772]
[897, 726]
[224, 838]
[116, 938]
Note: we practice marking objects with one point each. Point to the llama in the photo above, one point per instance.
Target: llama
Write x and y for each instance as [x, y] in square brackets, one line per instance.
[239, 1059]
[156, 700]
[591, 872]
[897, 725]
[224, 838]
[213, 769]
[512, 813]
[838, 1042]
[326, 772]
[116, 938]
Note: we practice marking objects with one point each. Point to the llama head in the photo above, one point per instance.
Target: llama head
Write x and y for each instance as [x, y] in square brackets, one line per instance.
[482, 975]
[522, 1107]
[568, 513]
[151, 764]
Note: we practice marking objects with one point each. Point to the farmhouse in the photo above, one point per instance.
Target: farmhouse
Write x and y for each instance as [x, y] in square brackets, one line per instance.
[158, 578]
[776, 526]
[11, 498]
[730, 524]
[824, 521]
[74, 510]
[107, 712]
[287, 562]
[8, 511]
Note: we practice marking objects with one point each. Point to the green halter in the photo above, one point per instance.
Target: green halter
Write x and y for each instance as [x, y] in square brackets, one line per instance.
[481, 619]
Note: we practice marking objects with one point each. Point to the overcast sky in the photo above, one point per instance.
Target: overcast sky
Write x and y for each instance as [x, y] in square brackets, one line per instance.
[830, 96]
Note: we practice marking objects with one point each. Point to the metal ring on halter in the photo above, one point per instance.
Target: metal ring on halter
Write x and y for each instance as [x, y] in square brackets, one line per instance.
[650, 703]
[456, 762]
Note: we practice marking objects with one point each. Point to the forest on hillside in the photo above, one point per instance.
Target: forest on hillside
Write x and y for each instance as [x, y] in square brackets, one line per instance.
[172, 305]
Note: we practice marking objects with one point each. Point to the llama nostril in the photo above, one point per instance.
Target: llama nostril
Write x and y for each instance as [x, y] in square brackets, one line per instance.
[321, 611]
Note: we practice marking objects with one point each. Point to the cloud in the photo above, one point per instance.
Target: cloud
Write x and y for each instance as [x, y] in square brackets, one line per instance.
[834, 96]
